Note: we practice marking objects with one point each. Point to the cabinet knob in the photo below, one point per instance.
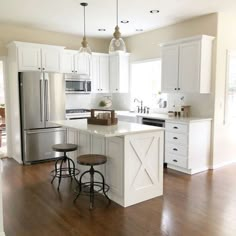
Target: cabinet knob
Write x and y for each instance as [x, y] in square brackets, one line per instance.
[72, 71]
[175, 88]
[175, 127]
[175, 160]
[76, 71]
[175, 149]
[178, 88]
[101, 89]
[43, 68]
[39, 68]
[116, 89]
[175, 138]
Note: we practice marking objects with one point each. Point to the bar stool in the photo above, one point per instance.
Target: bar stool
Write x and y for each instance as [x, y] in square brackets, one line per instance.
[92, 160]
[68, 170]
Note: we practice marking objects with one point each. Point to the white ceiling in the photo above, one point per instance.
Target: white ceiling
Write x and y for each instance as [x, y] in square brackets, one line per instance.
[67, 15]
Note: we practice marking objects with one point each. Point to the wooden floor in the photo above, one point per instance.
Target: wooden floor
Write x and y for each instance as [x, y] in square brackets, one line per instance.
[200, 205]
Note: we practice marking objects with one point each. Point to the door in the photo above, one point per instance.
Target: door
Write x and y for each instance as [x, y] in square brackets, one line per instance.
[38, 144]
[54, 87]
[170, 68]
[189, 67]
[104, 73]
[51, 59]
[31, 98]
[29, 59]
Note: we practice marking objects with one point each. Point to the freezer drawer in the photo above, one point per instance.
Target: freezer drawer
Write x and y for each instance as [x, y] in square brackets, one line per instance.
[38, 144]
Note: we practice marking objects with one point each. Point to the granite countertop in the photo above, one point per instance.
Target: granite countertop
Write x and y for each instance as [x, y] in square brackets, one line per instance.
[162, 116]
[121, 129]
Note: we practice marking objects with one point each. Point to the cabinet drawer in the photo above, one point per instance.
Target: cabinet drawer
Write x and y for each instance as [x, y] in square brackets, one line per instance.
[176, 138]
[175, 127]
[176, 160]
[176, 149]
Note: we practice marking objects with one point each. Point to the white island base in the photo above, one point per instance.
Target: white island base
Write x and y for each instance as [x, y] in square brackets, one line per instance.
[134, 168]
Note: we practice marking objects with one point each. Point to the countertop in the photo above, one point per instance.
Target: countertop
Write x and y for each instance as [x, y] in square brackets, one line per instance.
[121, 129]
[162, 117]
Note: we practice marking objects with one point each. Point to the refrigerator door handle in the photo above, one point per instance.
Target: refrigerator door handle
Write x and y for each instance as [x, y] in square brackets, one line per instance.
[41, 97]
[47, 106]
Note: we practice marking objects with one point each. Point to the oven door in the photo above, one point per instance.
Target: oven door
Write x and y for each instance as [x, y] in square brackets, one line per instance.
[74, 86]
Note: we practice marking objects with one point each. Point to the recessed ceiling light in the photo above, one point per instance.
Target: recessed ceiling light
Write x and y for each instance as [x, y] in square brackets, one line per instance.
[139, 30]
[154, 11]
[101, 29]
[124, 21]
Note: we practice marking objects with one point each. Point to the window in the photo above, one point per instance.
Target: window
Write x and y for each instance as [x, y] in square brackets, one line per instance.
[230, 98]
[146, 82]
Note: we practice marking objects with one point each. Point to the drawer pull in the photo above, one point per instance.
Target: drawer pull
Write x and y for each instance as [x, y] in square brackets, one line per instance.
[175, 160]
[175, 127]
[175, 149]
[175, 138]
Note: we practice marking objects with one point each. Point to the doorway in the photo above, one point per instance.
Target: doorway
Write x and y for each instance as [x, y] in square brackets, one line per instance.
[3, 137]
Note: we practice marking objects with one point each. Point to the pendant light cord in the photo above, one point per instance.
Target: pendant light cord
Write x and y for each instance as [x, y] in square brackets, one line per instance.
[117, 12]
[84, 23]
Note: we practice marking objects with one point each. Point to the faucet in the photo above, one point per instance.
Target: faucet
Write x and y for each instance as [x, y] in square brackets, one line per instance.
[141, 107]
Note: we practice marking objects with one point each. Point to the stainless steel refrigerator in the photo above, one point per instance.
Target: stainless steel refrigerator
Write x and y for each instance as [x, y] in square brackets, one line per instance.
[42, 99]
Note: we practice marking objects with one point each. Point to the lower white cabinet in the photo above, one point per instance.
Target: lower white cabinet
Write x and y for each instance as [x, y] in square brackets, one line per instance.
[187, 145]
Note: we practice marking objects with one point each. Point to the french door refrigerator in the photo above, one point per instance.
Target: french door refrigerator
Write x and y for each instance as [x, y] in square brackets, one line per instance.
[42, 99]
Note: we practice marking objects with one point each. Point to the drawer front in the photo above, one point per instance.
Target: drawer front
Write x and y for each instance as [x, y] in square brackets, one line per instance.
[176, 149]
[176, 160]
[177, 128]
[176, 138]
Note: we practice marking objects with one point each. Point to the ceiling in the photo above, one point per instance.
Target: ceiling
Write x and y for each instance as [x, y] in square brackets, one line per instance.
[67, 15]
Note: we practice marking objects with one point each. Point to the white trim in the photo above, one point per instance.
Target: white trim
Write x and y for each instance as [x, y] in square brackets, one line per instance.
[2, 234]
[222, 164]
[187, 171]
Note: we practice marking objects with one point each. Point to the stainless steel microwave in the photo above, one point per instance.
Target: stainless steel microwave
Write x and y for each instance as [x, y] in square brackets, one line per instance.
[78, 86]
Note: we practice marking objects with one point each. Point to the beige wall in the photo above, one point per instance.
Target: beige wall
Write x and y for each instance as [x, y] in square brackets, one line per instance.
[10, 33]
[224, 134]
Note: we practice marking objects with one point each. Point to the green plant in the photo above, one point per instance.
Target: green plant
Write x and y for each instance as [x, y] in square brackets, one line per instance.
[102, 103]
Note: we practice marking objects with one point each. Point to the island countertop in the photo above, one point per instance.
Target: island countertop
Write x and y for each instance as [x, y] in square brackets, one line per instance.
[121, 129]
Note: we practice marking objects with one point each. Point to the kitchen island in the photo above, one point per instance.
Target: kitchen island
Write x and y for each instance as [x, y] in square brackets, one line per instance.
[134, 168]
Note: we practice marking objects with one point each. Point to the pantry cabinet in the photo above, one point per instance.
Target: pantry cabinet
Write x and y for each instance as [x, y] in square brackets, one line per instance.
[187, 145]
[76, 63]
[100, 73]
[119, 73]
[186, 65]
[38, 57]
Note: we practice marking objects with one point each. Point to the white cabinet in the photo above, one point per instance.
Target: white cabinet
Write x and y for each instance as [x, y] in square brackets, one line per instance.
[119, 73]
[187, 145]
[76, 63]
[100, 73]
[37, 57]
[186, 65]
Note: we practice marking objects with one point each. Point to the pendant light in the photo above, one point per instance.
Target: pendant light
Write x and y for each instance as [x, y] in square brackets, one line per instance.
[85, 48]
[117, 43]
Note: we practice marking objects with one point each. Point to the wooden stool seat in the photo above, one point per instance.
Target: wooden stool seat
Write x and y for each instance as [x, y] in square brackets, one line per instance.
[64, 147]
[91, 159]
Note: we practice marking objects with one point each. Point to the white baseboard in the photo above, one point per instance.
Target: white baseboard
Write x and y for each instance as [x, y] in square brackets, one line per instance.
[2, 234]
[216, 166]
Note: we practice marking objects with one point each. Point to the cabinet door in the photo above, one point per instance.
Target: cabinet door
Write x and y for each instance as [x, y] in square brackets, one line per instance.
[82, 64]
[114, 73]
[51, 59]
[68, 62]
[104, 73]
[170, 68]
[29, 58]
[124, 74]
[189, 66]
[95, 74]
[114, 165]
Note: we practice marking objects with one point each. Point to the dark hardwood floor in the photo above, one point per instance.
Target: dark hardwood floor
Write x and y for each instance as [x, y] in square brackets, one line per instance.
[200, 205]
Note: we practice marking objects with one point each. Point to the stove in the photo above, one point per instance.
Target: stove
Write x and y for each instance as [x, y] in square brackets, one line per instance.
[73, 114]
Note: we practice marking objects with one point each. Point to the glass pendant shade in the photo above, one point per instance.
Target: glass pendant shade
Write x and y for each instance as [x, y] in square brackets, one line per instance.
[85, 49]
[117, 43]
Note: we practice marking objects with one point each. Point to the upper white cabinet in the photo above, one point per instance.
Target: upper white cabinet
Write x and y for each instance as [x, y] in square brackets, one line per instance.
[100, 73]
[76, 63]
[38, 57]
[119, 73]
[186, 65]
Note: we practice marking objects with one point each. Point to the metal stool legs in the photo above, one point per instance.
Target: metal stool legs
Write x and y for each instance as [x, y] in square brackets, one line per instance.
[91, 185]
[64, 172]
